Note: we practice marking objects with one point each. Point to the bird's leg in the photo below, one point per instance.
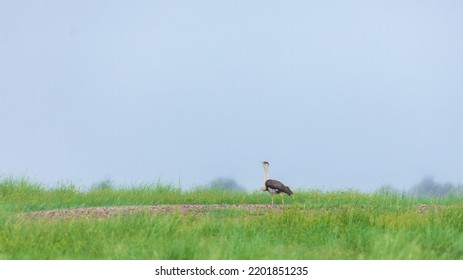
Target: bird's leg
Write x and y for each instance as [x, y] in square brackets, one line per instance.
[282, 199]
[272, 198]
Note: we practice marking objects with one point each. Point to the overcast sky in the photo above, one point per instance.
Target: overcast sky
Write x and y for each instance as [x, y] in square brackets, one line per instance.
[334, 94]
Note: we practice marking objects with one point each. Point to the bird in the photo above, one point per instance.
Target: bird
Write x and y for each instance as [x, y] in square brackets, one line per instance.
[274, 186]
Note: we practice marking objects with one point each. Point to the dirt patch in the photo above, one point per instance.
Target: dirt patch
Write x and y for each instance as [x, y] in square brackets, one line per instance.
[107, 211]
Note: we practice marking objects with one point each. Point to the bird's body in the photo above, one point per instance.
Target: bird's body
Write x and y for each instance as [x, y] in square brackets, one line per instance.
[274, 186]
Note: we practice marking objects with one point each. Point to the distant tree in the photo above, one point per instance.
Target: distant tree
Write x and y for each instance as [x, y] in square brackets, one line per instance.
[225, 183]
[106, 184]
[429, 187]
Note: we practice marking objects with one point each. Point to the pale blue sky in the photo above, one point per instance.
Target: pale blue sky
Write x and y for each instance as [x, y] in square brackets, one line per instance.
[334, 94]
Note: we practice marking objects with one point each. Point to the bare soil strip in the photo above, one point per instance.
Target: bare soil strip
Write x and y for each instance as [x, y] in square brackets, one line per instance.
[107, 211]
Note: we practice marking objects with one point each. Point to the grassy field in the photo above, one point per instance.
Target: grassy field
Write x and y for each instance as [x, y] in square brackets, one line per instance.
[312, 225]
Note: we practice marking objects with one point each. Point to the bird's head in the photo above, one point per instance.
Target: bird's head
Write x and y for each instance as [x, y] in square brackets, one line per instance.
[265, 163]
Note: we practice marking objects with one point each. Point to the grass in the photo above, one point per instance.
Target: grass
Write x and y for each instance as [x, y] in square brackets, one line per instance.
[312, 225]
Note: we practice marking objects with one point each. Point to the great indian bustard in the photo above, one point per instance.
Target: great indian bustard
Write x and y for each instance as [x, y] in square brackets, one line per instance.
[274, 186]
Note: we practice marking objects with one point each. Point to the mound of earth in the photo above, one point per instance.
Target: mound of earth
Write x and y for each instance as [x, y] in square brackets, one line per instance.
[107, 211]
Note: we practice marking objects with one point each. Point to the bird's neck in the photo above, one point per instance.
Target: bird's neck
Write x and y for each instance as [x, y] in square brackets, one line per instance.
[263, 187]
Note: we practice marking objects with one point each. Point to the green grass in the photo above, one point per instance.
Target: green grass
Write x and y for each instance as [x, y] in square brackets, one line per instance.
[312, 225]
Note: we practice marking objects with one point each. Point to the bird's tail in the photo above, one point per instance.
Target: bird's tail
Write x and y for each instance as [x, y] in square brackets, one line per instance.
[288, 191]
